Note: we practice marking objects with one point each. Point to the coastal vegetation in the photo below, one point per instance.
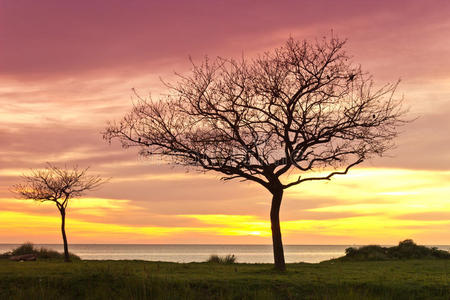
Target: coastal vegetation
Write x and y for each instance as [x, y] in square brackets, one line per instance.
[406, 249]
[39, 253]
[228, 259]
[397, 279]
[361, 274]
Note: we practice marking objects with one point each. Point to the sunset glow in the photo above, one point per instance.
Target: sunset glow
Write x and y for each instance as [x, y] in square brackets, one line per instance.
[63, 76]
[399, 201]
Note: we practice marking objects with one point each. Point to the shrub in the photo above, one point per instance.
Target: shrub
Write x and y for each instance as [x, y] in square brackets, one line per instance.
[42, 253]
[226, 260]
[25, 248]
[406, 249]
[371, 252]
[52, 254]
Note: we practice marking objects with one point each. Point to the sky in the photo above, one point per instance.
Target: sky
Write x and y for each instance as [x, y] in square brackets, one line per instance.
[69, 67]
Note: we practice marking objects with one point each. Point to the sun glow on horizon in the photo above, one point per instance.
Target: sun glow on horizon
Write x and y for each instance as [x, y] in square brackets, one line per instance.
[368, 205]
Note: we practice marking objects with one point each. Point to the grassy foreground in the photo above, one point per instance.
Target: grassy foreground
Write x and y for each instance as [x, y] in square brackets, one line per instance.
[413, 279]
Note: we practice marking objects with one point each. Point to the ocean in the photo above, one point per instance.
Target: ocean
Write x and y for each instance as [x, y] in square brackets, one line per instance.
[199, 253]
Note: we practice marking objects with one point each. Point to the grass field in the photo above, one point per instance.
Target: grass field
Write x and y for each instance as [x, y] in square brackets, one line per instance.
[413, 279]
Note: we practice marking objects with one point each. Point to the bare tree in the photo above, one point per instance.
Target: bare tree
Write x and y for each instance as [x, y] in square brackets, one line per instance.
[57, 185]
[303, 106]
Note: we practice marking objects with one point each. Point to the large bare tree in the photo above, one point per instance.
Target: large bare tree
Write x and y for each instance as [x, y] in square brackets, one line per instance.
[303, 106]
[57, 185]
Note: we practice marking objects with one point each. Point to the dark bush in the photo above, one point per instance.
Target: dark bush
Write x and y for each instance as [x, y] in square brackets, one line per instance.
[25, 248]
[42, 253]
[406, 249]
[371, 252]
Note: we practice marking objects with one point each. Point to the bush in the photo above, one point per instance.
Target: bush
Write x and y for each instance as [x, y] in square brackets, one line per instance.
[406, 249]
[42, 253]
[226, 260]
[52, 254]
[25, 248]
[371, 252]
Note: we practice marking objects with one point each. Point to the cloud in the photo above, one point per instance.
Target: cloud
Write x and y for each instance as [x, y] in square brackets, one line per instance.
[67, 38]
[427, 216]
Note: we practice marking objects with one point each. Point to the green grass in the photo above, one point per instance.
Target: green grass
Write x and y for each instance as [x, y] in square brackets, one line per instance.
[54, 279]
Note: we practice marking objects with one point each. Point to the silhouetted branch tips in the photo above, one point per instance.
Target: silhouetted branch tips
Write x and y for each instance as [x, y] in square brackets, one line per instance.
[303, 105]
[55, 184]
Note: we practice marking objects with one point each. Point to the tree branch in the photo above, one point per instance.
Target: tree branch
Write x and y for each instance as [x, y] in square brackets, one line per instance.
[328, 177]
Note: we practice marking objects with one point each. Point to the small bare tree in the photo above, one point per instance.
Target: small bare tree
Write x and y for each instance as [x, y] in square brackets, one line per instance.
[57, 185]
[303, 106]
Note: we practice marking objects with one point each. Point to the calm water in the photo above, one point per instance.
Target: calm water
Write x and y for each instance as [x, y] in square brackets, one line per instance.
[199, 253]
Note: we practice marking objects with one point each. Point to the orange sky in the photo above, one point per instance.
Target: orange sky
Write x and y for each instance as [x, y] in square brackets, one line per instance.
[67, 68]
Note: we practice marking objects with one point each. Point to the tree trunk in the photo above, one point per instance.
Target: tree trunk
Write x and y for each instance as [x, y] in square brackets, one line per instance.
[63, 231]
[278, 253]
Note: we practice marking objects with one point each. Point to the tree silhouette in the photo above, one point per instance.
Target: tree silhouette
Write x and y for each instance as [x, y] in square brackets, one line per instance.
[302, 106]
[57, 185]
